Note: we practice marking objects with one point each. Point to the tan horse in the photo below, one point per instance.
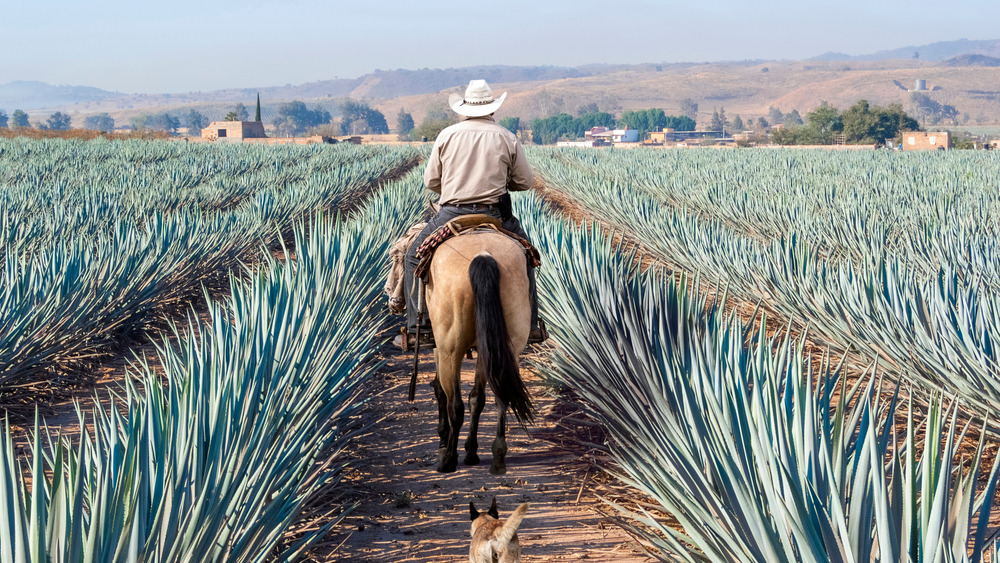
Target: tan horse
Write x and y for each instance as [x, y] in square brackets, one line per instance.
[477, 295]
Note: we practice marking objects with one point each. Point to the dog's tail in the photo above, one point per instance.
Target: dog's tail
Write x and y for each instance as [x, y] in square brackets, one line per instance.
[495, 353]
[511, 524]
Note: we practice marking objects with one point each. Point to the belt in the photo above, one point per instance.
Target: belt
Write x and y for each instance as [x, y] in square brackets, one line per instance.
[472, 206]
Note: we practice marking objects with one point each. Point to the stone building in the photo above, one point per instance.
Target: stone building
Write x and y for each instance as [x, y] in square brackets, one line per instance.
[233, 130]
[927, 140]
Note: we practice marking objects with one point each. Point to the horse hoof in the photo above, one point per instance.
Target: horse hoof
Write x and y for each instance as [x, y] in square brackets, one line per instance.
[448, 465]
[471, 459]
[498, 470]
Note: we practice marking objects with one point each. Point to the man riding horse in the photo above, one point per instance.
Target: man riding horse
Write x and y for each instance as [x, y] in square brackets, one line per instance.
[473, 165]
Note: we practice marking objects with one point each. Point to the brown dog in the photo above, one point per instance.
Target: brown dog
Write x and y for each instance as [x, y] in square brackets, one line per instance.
[494, 540]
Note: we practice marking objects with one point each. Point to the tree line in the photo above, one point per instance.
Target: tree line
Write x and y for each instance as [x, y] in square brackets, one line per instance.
[548, 130]
[861, 123]
[292, 119]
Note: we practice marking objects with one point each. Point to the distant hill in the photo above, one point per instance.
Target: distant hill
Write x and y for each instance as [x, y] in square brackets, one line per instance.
[973, 60]
[381, 84]
[27, 95]
[931, 52]
[967, 81]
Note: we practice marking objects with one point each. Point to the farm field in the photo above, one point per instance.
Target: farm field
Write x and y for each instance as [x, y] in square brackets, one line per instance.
[253, 435]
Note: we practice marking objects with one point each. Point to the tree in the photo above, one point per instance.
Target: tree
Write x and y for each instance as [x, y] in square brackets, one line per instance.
[548, 104]
[3, 119]
[294, 118]
[404, 123]
[588, 121]
[689, 108]
[680, 123]
[738, 123]
[762, 123]
[257, 113]
[231, 116]
[157, 122]
[437, 118]
[241, 112]
[718, 121]
[824, 121]
[511, 124]
[19, 119]
[653, 119]
[550, 129]
[564, 126]
[590, 107]
[358, 118]
[792, 118]
[866, 124]
[195, 122]
[774, 115]
[100, 122]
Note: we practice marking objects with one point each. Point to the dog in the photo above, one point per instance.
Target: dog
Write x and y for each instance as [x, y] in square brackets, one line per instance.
[494, 540]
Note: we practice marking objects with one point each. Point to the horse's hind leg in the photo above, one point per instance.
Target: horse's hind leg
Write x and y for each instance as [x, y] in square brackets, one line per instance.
[442, 401]
[499, 466]
[477, 400]
[451, 409]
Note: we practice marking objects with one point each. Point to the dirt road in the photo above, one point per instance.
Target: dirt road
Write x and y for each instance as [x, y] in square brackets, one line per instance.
[410, 512]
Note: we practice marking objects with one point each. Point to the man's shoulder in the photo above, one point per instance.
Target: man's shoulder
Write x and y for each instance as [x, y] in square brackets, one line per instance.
[479, 125]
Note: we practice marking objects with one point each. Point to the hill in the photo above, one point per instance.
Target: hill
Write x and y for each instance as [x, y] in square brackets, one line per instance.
[936, 52]
[972, 60]
[747, 88]
[28, 95]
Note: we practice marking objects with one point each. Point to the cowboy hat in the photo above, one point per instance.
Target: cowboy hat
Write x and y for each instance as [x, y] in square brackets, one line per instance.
[478, 100]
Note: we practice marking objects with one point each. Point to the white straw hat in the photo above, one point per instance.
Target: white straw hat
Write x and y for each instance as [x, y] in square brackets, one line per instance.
[478, 100]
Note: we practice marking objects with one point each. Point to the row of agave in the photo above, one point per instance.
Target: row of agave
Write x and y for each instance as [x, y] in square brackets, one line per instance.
[89, 263]
[758, 452]
[217, 464]
[938, 331]
[927, 210]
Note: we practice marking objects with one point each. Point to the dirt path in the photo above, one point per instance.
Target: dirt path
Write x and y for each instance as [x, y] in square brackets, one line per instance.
[410, 512]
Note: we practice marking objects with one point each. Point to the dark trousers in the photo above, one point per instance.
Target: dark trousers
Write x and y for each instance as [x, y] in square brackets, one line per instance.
[441, 218]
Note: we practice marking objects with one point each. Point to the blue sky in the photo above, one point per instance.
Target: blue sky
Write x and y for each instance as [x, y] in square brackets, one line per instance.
[188, 46]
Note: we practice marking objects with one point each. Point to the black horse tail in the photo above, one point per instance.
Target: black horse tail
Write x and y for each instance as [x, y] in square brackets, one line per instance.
[492, 342]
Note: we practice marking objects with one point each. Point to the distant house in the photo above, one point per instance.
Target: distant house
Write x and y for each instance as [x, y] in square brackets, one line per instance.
[233, 130]
[667, 135]
[927, 140]
[611, 135]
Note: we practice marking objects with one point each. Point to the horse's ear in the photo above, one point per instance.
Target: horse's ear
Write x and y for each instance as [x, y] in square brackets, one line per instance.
[493, 509]
[473, 513]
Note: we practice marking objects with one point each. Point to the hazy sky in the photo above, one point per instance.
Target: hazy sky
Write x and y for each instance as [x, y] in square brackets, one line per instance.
[188, 45]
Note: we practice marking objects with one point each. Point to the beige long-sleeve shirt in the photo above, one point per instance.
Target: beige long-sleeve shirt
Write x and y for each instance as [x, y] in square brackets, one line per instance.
[476, 161]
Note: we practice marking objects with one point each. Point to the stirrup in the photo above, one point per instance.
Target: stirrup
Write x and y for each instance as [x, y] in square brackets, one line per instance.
[407, 341]
[540, 334]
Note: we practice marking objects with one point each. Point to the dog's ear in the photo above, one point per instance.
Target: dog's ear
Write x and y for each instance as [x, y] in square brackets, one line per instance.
[493, 509]
[473, 513]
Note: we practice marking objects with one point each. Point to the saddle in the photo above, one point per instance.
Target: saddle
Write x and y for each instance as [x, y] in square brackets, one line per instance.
[464, 225]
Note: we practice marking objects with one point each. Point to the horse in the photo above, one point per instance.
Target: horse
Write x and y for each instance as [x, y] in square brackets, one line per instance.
[477, 295]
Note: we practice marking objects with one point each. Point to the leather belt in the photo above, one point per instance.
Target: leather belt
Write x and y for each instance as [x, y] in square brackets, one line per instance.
[472, 206]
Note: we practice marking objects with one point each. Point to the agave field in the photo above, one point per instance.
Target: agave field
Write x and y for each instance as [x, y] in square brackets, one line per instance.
[99, 236]
[751, 445]
[888, 257]
[214, 460]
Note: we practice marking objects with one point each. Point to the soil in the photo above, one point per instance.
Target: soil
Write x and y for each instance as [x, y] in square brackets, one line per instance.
[409, 512]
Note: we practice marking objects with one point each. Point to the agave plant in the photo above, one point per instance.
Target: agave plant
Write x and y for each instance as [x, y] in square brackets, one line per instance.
[218, 463]
[118, 232]
[919, 293]
[760, 453]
